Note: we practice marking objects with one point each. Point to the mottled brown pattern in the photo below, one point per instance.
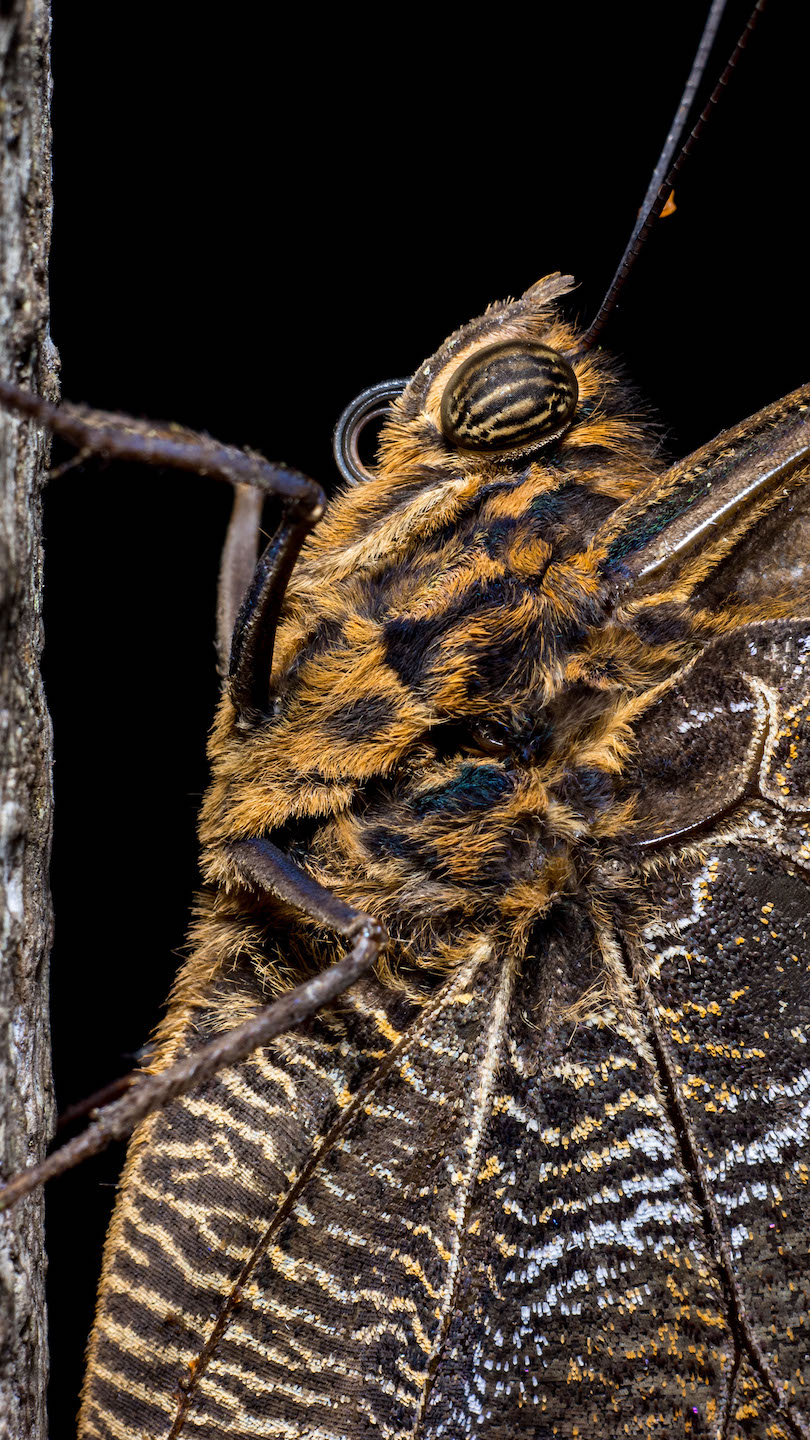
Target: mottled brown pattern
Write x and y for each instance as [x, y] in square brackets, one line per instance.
[496, 1193]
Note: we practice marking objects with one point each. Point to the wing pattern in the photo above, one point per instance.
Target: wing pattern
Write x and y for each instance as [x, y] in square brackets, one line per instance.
[517, 1210]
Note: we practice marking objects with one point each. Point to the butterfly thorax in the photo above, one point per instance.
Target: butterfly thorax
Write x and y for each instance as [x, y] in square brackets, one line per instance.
[454, 699]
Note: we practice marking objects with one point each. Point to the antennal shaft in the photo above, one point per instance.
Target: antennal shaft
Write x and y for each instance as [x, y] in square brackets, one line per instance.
[667, 170]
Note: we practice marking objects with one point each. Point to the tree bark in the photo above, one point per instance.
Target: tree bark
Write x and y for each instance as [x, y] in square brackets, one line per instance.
[26, 356]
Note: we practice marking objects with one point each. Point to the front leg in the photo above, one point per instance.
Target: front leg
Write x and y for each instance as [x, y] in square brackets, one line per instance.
[119, 437]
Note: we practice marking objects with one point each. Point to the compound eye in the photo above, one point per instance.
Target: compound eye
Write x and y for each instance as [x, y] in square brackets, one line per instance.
[509, 397]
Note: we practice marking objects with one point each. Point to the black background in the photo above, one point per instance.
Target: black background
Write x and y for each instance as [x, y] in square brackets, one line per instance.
[251, 225]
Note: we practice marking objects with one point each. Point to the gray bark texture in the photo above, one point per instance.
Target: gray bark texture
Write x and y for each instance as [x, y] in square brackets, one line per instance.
[27, 357]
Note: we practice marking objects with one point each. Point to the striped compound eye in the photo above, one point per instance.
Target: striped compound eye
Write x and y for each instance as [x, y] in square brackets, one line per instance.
[509, 397]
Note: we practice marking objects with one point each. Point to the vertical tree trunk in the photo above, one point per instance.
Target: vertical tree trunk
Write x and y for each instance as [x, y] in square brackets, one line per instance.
[26, 356]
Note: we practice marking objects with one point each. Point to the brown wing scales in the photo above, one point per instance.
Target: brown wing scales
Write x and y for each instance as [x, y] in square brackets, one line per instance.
[481, 1199]
[729, 967]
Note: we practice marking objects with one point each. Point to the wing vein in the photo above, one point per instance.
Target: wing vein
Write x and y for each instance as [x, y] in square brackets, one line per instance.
[480, 1114]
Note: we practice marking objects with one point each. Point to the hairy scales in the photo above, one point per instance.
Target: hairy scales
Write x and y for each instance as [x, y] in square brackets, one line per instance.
[492, 1193]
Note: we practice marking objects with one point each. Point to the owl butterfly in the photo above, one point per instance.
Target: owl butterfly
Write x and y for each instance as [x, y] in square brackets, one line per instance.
[544, 1177]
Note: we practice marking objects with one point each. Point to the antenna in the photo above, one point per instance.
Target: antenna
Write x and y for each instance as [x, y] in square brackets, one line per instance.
[667, 170]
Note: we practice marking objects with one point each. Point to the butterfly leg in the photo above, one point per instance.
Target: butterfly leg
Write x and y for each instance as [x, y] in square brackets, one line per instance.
[120, 437]
[237, 565]
[254, 634]
[260, 863]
